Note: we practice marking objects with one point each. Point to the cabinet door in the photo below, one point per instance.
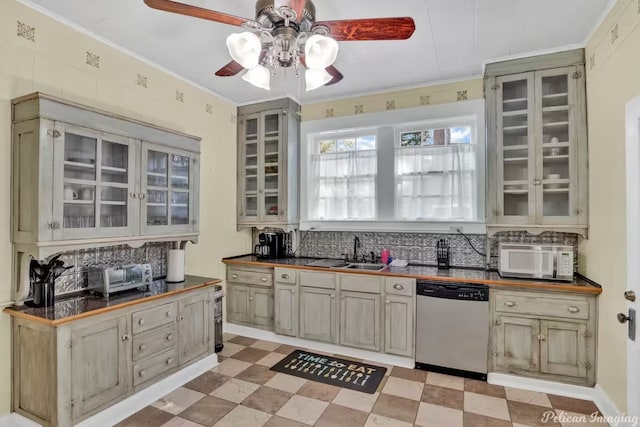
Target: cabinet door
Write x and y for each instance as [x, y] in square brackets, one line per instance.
[286, 310]
[517, 345]
[193, 327]
[169, 190]
[248, 167]
[360, 320]
[271, 191]
[261, 306]
[398, 325]
[515, 153]
[563, 348]
[95, 178]
[238, 304]
[557, 146]
[318, 314]
[99, 356]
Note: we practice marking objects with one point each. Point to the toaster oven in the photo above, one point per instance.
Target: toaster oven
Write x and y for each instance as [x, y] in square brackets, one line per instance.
[108, 280]
[546, 261]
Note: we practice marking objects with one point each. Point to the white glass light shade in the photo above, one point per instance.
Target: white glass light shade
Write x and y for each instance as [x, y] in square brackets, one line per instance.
[316, 78]
[258, 76]
[245, 48]
[320, 52]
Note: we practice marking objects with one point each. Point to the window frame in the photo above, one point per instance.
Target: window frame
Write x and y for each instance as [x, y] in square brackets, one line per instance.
[386, 123]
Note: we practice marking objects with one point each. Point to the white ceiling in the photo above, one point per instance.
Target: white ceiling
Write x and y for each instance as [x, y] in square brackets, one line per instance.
[453, 39]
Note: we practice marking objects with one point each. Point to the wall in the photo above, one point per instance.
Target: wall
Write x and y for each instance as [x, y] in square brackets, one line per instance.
[40, 54]
[612, 80]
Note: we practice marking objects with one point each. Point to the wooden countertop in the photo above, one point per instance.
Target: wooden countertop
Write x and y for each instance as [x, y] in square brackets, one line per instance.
[72, 309]
[490, 278]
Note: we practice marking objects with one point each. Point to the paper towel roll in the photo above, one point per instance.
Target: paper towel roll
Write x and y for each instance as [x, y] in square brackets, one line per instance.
[175, 266]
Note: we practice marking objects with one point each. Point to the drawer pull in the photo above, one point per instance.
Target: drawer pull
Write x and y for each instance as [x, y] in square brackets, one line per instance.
[180, 317]
[142, 347]
[285, 276]
[141, 322]
[169, 337]
[125, 337]
[168, 313]
[170, 361]
[573, 309]
[234, 276]
[510, 304]
[263, 279]
[142, 372]
[398, 287]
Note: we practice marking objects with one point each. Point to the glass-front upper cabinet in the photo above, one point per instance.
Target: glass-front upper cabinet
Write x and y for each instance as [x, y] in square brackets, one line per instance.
[94, 178]
[539, 158]
[168, 189]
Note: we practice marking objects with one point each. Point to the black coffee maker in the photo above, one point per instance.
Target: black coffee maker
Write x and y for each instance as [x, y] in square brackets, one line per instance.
[271, 245]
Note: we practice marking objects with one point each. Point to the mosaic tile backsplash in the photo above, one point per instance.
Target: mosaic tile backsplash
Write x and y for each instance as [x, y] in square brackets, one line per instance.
[420, 248]
[75, 279]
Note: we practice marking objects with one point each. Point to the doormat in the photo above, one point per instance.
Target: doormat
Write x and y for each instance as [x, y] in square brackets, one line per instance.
[332, 370]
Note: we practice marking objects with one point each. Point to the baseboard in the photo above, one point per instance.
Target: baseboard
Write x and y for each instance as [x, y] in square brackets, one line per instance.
[17, 420]
[143, 398]
[357, 353]
[605, 404]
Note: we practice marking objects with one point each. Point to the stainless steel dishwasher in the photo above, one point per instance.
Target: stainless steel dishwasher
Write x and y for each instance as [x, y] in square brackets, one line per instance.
[452, 328]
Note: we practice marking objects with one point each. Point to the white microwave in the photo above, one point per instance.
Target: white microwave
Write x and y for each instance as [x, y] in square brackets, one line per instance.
[554, 262]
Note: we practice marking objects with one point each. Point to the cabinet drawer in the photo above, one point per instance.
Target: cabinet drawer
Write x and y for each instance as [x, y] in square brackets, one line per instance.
[360, 283]
[152, 318]
[318, 280]
[541, 306]
[285, 275]
[152, 342]
[250, 277]
[149, 368]
[399, 286]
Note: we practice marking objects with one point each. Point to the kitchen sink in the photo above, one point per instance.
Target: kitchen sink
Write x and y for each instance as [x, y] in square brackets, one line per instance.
[341, 265]
[364, 266]
[328, 263]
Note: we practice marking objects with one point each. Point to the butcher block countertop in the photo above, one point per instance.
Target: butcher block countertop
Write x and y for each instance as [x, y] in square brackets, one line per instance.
[579, 284]
[67, 310]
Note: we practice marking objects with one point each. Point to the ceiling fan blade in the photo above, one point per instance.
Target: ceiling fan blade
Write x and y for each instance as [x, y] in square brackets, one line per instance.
[337, 75]
[231, 69]
[197, 12]
[298, 8]
[369, 29]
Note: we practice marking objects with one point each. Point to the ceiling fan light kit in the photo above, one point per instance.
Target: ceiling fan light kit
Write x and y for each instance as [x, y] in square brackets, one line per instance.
[286, 34]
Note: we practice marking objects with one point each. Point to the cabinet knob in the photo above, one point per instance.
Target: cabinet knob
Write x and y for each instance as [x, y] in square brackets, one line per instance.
[333, 296]
[180, 317]
[387, 302]
[141, 322]
[142, 372]
[398, 287]
[133, 195]
[510, 304]
[125, 337]
[250, 298]
[234, 276]
[293, 291]
[542, 337]
[142, 347]
[170, 361]
[573, 309]
[263, 279]
[169, 337]
[142, 196]
[168, 314]
[285, 276]
[537, 181]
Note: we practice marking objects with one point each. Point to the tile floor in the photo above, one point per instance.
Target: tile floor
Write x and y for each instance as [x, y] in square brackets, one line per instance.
[243, 392]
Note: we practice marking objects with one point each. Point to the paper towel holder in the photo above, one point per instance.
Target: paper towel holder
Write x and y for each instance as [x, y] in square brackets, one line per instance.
[175, 263]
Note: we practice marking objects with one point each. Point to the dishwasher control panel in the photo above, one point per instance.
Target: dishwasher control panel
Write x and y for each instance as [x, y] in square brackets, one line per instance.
[458, 291]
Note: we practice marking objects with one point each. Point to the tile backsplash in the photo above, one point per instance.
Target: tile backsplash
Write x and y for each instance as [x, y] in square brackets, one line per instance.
[75, 279]
[421, 247]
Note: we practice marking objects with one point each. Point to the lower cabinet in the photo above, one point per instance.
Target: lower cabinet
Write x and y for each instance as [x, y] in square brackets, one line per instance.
[360, 320]
[65, 373]
[557, 346]
[399, 325]
[286, 310]
[250, 305]
[318, 314]
[100, 365]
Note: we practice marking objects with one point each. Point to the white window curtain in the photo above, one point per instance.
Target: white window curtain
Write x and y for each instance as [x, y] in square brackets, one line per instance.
[436, 182]
[343, 185]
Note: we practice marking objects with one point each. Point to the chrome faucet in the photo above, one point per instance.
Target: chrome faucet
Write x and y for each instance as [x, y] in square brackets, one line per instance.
[356, 247]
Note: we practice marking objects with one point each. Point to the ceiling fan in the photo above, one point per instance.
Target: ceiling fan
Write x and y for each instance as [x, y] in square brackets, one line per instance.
[285, 34]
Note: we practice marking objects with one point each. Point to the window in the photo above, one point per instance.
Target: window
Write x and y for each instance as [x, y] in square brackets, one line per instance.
[435, 170]
[343, 176]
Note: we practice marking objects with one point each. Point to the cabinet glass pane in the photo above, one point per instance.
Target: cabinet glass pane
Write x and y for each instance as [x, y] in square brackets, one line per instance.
[251, 129]
[271, 203]
[271, 125]
[157, 207]
[80, 157]
[115, 162]
[180, 171]
[79, 213]
[113, 207]
[157, 168]
[179, 208]
[515, 146]
[251, 205]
